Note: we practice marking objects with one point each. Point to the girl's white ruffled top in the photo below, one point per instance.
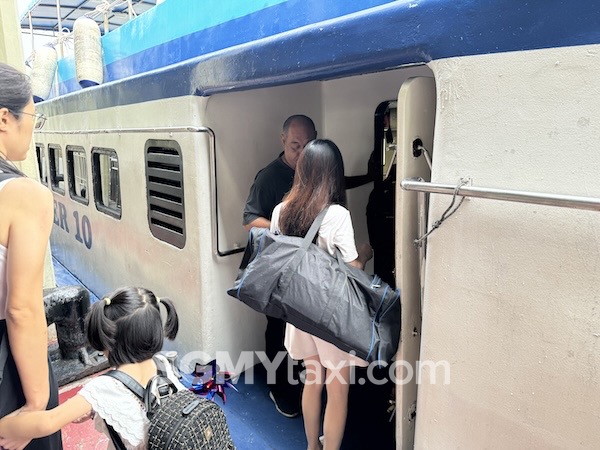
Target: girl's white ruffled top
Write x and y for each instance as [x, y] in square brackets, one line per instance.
[113, 402]
[120, 408]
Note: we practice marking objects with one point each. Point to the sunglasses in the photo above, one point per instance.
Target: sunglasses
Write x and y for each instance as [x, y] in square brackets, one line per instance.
[40, 119]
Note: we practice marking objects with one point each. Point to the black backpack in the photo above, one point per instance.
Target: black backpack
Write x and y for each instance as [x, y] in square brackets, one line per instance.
[180, 420]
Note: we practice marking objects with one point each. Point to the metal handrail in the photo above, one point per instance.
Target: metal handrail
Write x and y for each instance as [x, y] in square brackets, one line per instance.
[536, 198]
[191, 129]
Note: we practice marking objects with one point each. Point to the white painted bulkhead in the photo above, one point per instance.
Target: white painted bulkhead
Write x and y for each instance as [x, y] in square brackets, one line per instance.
[512, 297]
[124, 252]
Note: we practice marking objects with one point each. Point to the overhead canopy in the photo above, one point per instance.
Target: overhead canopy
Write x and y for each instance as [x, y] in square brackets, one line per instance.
[44, 13]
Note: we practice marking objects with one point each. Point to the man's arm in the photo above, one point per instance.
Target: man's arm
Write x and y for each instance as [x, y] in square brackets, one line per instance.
[259, 222]
[355, 181]
[259, 204]
[373, 172]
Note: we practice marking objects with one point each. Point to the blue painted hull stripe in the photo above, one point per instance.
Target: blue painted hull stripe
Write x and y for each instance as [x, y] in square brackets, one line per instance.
[176, 19]
[384, 37]
[194, 36]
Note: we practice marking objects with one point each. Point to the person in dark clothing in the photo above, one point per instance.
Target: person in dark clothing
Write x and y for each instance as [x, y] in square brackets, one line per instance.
[269, 187]
[370, 397]
[381, 204]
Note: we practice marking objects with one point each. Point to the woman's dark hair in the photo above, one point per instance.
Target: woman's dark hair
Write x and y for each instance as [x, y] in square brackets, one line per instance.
[15, 93]
[15, 89]
[318, 182]
[127, 324]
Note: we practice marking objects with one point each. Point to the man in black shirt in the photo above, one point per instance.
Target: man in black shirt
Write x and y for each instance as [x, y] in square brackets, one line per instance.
[269, 187]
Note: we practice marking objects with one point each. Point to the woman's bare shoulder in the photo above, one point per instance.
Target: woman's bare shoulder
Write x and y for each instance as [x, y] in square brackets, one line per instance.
[26, 194]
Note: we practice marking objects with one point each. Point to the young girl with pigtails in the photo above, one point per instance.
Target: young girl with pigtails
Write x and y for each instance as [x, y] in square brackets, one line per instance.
[127, 326]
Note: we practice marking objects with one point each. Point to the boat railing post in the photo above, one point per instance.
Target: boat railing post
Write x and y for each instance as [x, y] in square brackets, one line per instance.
[60, 41]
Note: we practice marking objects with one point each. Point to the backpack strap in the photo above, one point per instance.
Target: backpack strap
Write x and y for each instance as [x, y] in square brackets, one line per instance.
[115, 438]
[161, 369]
[136, 388]
[159, 383]
[163, 386]
[128, 382]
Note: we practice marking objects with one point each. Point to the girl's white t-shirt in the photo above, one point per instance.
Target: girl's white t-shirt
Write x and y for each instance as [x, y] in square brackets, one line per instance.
[336, 231]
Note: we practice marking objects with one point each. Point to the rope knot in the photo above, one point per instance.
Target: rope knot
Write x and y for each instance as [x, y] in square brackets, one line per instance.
[449, 211]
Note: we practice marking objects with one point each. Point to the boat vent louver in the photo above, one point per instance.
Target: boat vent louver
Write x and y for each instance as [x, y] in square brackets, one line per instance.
[164, 189]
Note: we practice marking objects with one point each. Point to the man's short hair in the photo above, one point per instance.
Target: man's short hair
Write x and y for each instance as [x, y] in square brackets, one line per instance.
[303, 120]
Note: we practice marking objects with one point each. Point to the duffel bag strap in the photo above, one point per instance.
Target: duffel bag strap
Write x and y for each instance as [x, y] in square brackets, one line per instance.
[308, 239]
[314, 229]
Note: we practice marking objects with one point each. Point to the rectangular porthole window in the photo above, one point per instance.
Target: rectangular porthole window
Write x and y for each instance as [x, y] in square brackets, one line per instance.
[107, 189]
[41, 160]
[57, 170]
[78, 175]
[164, 191]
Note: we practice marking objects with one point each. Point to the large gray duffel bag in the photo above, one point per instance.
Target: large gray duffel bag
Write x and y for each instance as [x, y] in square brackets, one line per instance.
[293, 279]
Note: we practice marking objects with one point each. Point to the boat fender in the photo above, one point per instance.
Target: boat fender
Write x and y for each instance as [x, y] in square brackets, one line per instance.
[42, 74]
[88, 52]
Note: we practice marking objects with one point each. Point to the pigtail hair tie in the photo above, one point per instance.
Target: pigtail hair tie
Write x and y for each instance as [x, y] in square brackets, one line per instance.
[106, 300]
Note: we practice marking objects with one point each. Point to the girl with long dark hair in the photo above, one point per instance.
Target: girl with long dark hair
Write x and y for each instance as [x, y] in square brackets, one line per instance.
[319, 183]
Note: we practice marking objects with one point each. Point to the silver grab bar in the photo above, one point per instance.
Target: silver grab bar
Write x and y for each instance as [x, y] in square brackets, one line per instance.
[183, 129]
[536, 198]
[422, 202]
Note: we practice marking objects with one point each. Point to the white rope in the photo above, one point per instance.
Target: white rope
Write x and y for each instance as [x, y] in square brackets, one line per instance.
[106, 7]
[65, 38]
[130, 9]
[446, 214]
